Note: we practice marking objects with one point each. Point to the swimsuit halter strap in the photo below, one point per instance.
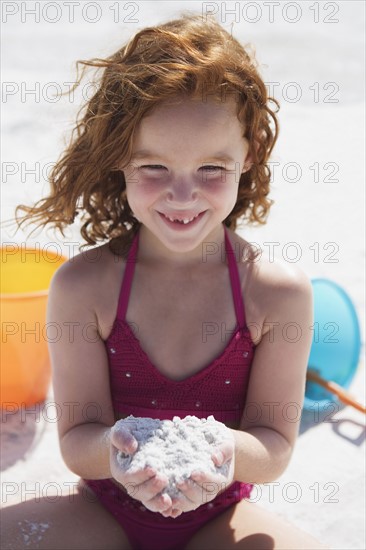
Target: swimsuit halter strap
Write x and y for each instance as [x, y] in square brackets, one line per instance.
[233, 271]
[127, 278]
[235, 281]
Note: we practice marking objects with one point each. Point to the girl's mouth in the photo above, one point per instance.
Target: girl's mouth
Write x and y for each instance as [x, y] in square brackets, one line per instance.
[182, 224]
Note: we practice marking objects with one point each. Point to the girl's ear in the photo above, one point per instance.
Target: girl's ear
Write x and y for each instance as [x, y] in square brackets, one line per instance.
[248, 163]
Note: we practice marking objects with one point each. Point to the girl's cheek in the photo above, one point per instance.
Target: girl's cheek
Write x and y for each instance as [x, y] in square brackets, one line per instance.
[220, 186]
[145, 187]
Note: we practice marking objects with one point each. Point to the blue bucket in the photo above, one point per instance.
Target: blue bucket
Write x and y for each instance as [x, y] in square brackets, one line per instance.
[336, 345]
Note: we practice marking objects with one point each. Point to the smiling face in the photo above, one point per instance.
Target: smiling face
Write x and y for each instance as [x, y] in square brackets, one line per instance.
[186, 163]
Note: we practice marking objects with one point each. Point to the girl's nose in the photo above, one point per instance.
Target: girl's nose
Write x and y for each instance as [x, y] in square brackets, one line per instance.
[182, 191]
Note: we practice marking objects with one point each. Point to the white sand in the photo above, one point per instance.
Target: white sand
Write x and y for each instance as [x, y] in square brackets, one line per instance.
[174, 448]
[322, 490]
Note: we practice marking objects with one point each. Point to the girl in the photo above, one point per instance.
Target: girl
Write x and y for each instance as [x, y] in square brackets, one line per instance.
[175, 314]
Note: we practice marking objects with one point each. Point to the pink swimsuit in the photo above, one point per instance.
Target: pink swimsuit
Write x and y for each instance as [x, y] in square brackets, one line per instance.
[138, 388]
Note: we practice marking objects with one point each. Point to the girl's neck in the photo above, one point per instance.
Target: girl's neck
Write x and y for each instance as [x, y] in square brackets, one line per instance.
[154, 253]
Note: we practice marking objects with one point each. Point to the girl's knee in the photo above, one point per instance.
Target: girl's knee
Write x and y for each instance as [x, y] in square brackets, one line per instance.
[62, 523]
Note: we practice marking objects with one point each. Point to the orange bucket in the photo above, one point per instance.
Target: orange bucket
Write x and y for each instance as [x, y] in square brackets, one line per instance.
[26, 274]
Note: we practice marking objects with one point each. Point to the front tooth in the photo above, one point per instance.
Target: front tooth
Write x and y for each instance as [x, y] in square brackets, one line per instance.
[185, 221]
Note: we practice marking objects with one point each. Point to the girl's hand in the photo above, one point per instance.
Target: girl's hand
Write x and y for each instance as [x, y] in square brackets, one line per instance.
[144, 485]
[203, 487]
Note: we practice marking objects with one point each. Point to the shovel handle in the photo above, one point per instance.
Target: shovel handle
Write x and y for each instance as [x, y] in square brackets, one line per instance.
[331, 386]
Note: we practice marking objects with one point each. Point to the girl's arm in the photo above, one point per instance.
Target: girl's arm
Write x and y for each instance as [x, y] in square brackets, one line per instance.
[263, 444]
[79, 361]
[80, 370]
[271, 418]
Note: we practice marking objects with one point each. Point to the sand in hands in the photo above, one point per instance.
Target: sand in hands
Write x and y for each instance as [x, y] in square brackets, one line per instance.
[175, 447]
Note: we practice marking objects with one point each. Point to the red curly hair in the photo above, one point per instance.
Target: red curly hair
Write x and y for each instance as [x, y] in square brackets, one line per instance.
[188, 57]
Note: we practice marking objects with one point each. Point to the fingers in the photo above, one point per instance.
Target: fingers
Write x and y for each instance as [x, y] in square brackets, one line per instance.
[159, 503]
[218, 458]
[147, 486]
[135, 479]
[223, 453]
[191, 492]
[204, 479]
[123, 440]
[190, 496]
[172, 512]
[151, 489]
[199, 489]
[175, 513]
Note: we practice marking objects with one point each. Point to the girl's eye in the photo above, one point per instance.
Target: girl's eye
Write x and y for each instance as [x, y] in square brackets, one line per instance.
[153, 166]
[212, 168]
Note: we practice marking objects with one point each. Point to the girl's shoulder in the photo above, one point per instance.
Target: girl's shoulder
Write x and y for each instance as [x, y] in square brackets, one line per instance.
[263, 271]
[267, 282]
[86, 274]
[92, 261]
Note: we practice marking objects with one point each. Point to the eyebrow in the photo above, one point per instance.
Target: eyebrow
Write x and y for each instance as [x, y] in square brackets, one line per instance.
[146, 154]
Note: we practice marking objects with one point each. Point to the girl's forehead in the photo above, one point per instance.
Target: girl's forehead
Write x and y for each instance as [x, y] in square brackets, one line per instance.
[190, 113]
[189, 127]
[197, 105]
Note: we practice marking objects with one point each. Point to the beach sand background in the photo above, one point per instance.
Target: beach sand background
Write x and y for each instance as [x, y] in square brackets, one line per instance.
[312, 56]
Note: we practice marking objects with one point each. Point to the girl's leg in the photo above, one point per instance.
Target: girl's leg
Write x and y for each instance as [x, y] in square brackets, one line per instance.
[246, 526]
[74, 521]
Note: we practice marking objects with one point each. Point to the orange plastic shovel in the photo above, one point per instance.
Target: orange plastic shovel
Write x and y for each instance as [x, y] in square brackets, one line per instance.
[331, 386]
